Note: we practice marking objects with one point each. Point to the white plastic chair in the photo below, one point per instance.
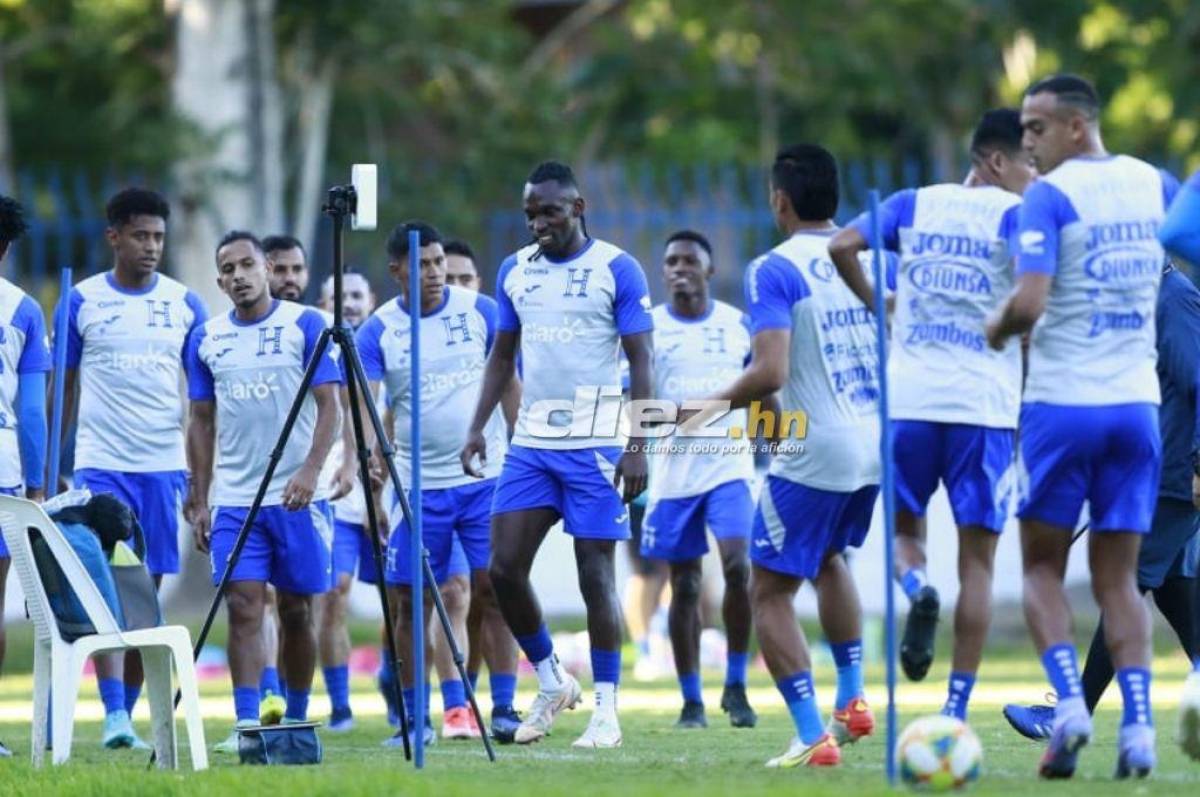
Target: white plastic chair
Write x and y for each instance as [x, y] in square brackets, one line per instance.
[60, 663]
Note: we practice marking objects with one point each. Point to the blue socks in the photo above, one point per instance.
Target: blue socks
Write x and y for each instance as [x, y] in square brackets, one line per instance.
[689, 684]
[961, 684]
[912, 581]
[848, 658]
[1135, 693]
[245, 702]
[112, 694]
[504, 689]
[132, 691]
[453, 695]
[1062, 668]
[606, 666]
[735, 668]
[337, 685]
[269, 681]
[297, 704]
[801, 699]
[537, 646]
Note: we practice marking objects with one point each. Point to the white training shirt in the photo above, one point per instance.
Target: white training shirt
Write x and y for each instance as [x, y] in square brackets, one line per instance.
[23, 349]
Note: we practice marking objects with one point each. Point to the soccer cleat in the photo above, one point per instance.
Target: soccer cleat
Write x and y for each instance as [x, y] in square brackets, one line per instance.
[735, 704]
[546, 706]
[1071, 733]
[851, 723]
[505, 721]
[459, 723]
[824, 752]
[603, 731]
[1189, 716]
[916, 647]
[387, 688]
[397, 739]
[1135, 755]
[4, 751]
[271, 709]
[692, 716]
[341, 720]
[230, 745]
[1032, 722]
[118, 730]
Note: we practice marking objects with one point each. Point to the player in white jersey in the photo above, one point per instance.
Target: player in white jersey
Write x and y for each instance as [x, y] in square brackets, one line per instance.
[125, 333]
[1088, 272]
[954, 401]
[697, 484]
[814, 341]
[570, 302]
[24, 361]
[245, 369]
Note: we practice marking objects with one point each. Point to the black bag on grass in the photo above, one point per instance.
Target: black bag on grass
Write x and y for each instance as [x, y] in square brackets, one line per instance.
[292, 743]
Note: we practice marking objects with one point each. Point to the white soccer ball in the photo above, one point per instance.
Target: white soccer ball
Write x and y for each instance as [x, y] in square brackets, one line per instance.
[938, 753]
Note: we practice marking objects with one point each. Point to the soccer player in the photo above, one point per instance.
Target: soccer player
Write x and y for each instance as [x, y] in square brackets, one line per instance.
[1088, 272]
[955, 401]
[700, 345]
[24, 361]
[125, 333]
[569, 301]
[244, 370]
[1180, 233]
[458, 327]
[812, 339]
[460, 266]
[288, 264]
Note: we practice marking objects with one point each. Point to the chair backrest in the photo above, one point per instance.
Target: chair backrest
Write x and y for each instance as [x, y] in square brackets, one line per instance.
[17, 516]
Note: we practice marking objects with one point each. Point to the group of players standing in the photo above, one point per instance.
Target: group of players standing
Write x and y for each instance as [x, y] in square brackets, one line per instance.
[1076, 262]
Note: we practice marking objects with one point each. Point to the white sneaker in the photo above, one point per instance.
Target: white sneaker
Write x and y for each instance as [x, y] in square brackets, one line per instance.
[230, 745]
[1189, 716]
[602, 732]
[546, 706]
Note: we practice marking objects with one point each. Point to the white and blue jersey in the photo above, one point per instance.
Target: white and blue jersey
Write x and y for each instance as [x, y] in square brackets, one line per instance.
[128, 347]
[23, 350]
[1180, 233]
[1090, 419]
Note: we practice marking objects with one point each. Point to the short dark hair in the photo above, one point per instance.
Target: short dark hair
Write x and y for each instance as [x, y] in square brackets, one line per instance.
[1072, 90]
[280, 243]
[552, 170]
[12, 220]
[808, 175]
[130, 202]
[998, 129]
[240, 235]
[690, 235]
[460, 248]
[397, 241]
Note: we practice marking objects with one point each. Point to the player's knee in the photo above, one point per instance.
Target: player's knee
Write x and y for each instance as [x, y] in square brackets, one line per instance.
[686, 585]
[596, 581]
[456, 594]
[295, 613]
[245, 611]
[737, 572]
[504, 576]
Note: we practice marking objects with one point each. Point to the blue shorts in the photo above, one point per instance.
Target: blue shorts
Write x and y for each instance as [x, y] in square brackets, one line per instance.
[20, 493]
[352, 552]
[1107, 456]
[972, 461]
[453, 513]
[577, 483]
[1168, 550]
[674, 527]
[796, 526]
[157, 500]
[289, 549]
[459, 564]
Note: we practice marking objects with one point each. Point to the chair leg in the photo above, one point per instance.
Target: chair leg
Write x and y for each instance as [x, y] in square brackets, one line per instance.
[185, 671]
[62, 707]
[42, 675]
[156, 662]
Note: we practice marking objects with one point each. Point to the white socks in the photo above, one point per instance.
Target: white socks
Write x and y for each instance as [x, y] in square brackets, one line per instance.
[606, 699]
[549, 674]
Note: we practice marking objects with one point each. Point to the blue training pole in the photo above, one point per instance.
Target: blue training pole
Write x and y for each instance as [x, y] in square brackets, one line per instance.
[60, 374]
[889, 499]
[415, 540]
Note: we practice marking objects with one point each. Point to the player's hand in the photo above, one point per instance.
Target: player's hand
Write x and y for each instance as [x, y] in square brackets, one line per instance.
[299, 490]
[476, 446]
[994, 339]
[631, 469]
[201, 519]
[1196, 491]
[343, 480]
[35, 494]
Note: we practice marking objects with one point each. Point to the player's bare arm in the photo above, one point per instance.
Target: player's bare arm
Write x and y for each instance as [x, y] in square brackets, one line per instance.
[343, 478]
[766, 373]
[1022, 310]
[201, 446]
[844, 249]
[500, 371]
[510, 404]
[299, 490]
[632, 468]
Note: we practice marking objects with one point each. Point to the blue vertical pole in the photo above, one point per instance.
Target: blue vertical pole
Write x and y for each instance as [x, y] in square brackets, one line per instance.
[889, 498]
[416, 543]
[60, 372]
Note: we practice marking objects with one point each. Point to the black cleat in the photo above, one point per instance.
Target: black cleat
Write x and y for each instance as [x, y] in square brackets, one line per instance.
[692, 716]
[916, 648]
[735, 704]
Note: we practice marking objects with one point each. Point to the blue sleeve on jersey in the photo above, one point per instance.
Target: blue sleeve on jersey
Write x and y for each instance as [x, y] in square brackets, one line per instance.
[35, 356]
[486, 307]
[1170, 187]
[31, 424]
[312, 324]
[74, 339]
[772, 286]
[891, 267]
[1044, 212]
[745, 319]
[1010, 229]
[1180, 232]
[200, 379]
[199, 311]
[894, 212]
[366, 340]
[631, 305]
[507, 317]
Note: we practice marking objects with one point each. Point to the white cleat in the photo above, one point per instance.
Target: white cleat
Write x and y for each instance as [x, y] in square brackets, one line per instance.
[602, 732]
[546, 706]
[1189, 716]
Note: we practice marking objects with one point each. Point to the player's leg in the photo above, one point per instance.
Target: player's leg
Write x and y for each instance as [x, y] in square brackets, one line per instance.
[1188, 731]
[972, 614]
[333, 643]
[5, 561]
[683, 624]
[457, 720]
[244, 601]
[272, 686]
[474, 639]
[643, 594]
[729, 513]
[299, 650]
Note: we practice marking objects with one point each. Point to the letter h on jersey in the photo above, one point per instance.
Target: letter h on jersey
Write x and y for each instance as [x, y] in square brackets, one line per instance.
[456, 327]
[714, 340]
[159, 310]
[577, 280]
[270, 337]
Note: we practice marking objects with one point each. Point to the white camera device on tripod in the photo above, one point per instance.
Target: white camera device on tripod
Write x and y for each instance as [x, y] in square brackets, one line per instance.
[365, 179]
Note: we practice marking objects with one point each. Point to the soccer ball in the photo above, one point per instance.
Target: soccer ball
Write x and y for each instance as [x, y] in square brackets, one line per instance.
[938, 753]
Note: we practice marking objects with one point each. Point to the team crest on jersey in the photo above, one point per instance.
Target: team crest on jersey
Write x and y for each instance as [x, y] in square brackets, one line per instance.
[457, 328]
[577, 280]
[714, 340]
[159, 313]
[821, 269]
[270, 340]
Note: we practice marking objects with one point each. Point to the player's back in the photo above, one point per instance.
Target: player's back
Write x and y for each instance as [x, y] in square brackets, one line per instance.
[1094, 345]
[20, 317]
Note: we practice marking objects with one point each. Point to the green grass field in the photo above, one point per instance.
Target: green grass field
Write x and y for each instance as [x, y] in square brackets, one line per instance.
[655, 760]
